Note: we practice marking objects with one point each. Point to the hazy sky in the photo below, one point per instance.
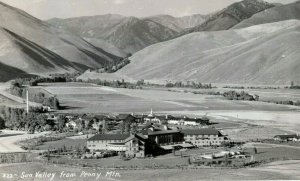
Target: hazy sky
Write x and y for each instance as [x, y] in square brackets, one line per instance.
[46, 9]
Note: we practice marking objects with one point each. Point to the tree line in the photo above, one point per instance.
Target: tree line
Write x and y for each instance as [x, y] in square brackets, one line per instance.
[189, 84]
[19, 90]
[233, 95]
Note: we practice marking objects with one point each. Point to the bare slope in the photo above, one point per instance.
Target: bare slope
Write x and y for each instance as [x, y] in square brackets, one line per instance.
[178, 24]
[267, 54]
[129, 34]
[231, 15]
[279, 13]
[21, 53]
[7, 73]
[34, 46]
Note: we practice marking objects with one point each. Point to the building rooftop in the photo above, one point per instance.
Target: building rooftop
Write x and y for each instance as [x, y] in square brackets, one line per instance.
[204, 131]
[125, 117]
[109, 137]
[158, 132]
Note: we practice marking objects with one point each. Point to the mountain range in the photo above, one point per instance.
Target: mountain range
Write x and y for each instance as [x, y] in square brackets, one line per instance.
[260, 54]
[250, 41]
[129, 34]
[231, 16]
[279, 13]
[35, 47]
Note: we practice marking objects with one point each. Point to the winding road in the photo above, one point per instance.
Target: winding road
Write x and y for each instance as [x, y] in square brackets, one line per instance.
[8, 143]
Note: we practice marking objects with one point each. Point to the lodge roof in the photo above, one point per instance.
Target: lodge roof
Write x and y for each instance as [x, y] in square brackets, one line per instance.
[138, 136]
[203, 131]
[109, 137]
[158, 131]
[124, 116]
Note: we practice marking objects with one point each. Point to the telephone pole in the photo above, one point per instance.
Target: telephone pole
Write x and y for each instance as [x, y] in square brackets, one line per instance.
[27, 102]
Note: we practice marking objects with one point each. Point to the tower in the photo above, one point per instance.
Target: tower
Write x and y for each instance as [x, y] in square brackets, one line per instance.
[27, 102]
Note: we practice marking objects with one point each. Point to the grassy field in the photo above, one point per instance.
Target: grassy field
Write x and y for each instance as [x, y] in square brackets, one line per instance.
[239, 119]
[87, 98]
[67, 142]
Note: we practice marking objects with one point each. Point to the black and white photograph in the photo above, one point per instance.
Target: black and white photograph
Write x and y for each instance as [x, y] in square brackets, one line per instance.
[149, 90]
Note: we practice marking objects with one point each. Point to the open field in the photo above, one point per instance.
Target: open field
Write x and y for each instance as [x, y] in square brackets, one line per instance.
[242, 120]
[281, 94]
[67, 142]
[282, 170]
[87, 98]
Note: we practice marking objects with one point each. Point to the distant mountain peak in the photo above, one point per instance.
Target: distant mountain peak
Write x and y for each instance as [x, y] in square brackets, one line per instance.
[231, 15]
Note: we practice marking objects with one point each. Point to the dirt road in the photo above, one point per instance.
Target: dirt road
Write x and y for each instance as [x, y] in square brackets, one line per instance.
[3, 91]
[8, 144]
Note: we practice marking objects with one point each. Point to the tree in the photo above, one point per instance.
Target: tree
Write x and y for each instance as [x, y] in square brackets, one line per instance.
[122, 127]
[255, 150]
[2, 123]
[133, 129]
[292, 83]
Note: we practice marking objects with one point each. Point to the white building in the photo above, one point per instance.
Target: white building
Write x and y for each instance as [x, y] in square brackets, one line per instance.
[152, 118]
[107, 142]
[203, 137]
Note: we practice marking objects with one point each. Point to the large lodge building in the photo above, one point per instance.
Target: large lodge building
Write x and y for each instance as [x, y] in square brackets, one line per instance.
[152, 135]
[154, 141]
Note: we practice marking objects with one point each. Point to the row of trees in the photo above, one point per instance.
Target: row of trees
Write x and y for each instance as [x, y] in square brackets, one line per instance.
[115, 83]
[115, 67]
[19, 90]
[35, 120]
[233, 95]
[293, 86]
[189, 84]
[286, 102]
[34, 81]
[16, 118]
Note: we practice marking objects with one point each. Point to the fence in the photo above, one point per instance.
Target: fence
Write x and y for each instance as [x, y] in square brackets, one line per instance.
[16, 157]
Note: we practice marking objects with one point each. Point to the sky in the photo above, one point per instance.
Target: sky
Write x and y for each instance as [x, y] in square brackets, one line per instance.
[47, 9]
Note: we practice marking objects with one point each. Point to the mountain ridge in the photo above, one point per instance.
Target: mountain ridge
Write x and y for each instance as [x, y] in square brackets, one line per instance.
[259, 54]
[231, 15]
[37, 44]
[275, 14]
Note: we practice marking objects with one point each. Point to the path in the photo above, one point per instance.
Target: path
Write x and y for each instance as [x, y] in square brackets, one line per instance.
[8, 144]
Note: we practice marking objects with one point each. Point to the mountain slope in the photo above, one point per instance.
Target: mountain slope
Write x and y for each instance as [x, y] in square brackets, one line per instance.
[231, 15]
[178, 24]
[279, 13]
[266, 54]
[7, 73]
[129, 34]
[41, 48]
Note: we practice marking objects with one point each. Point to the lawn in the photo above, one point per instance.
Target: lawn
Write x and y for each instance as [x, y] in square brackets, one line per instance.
[67, 142]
